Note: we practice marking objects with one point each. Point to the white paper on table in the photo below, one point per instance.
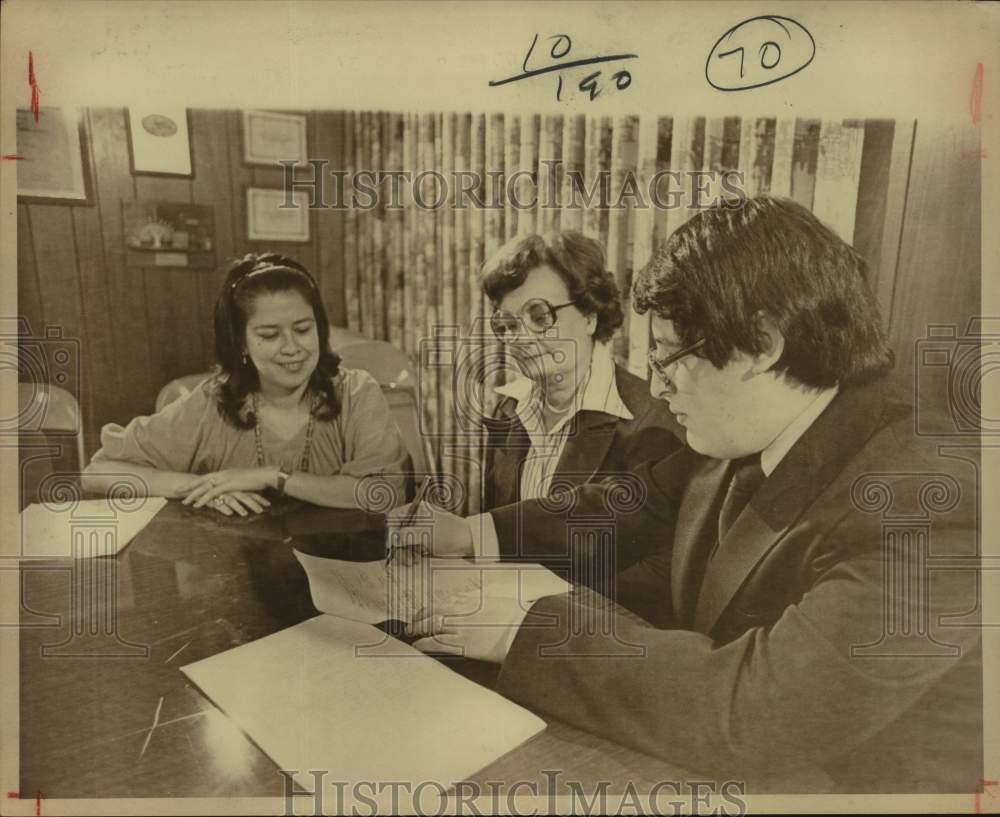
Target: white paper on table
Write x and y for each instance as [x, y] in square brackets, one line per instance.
[84, 528]
[372, 593]
[311, 702]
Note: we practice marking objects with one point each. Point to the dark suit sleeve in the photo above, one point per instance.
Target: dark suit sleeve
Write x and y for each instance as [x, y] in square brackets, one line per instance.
[787, 695]
[639, 506]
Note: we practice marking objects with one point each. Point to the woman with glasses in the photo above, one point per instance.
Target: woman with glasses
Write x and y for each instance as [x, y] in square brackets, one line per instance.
[280, 417]
[570, 416]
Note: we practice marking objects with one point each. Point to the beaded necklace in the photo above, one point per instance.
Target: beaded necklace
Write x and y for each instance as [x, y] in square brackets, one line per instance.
[304, 466]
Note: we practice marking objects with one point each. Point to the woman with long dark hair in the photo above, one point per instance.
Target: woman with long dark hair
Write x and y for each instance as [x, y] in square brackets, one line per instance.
[279, 416]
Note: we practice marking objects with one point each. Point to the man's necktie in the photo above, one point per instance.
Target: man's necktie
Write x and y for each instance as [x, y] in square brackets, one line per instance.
[747, 478]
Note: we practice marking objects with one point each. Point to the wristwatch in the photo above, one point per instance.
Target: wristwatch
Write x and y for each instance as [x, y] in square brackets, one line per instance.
[282, 479]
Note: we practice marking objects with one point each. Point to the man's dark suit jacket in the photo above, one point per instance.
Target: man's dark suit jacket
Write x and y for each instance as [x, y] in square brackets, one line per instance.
[599, 448]
[833, 638]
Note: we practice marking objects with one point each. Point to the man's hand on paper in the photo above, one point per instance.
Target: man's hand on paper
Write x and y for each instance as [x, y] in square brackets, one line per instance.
[486, 634]
[450, 537]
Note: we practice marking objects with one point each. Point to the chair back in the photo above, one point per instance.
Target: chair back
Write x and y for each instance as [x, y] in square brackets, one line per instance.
[178, 388]
[50, 435]
[383, 361]
[394, 372]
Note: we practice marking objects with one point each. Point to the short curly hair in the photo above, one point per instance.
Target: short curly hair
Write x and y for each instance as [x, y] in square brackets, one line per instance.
[578, 260]
[719, 270]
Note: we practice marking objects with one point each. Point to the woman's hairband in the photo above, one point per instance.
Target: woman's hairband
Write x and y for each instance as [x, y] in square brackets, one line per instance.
[272, 268]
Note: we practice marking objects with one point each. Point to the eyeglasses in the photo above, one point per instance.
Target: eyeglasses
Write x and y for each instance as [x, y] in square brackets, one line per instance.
[661, 366]
[537, 315]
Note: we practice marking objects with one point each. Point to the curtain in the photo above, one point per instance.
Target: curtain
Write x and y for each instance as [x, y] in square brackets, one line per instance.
[410, 270]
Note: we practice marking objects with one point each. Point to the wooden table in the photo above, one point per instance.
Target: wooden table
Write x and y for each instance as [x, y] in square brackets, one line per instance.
[111, 715]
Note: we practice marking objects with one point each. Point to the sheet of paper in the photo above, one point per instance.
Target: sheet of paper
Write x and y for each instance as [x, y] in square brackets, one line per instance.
[84, 528]
[371, 592]
[355, 590]
[310, 701]
[455, 581]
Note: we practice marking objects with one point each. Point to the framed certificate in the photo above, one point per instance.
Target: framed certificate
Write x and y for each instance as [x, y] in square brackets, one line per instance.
[53, 166]
[158, 141]
[269, 138]
[268, 219]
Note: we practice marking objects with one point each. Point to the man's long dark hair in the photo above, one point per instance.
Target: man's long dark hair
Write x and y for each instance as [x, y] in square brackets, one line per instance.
[718, 271]
[246, 279]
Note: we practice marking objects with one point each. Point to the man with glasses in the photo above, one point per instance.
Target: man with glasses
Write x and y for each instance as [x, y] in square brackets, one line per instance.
[809, 615]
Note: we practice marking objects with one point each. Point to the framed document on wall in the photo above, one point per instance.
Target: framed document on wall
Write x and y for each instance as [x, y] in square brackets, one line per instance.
[269, 220]
[53, 168]
[158, 141]
[269, 138]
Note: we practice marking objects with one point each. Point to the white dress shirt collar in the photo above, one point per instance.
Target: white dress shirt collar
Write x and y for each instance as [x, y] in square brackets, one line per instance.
[782, 444]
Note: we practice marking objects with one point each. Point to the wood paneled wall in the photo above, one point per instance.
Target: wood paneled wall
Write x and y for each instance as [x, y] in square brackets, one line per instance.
[917, 221]
[140, 328]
